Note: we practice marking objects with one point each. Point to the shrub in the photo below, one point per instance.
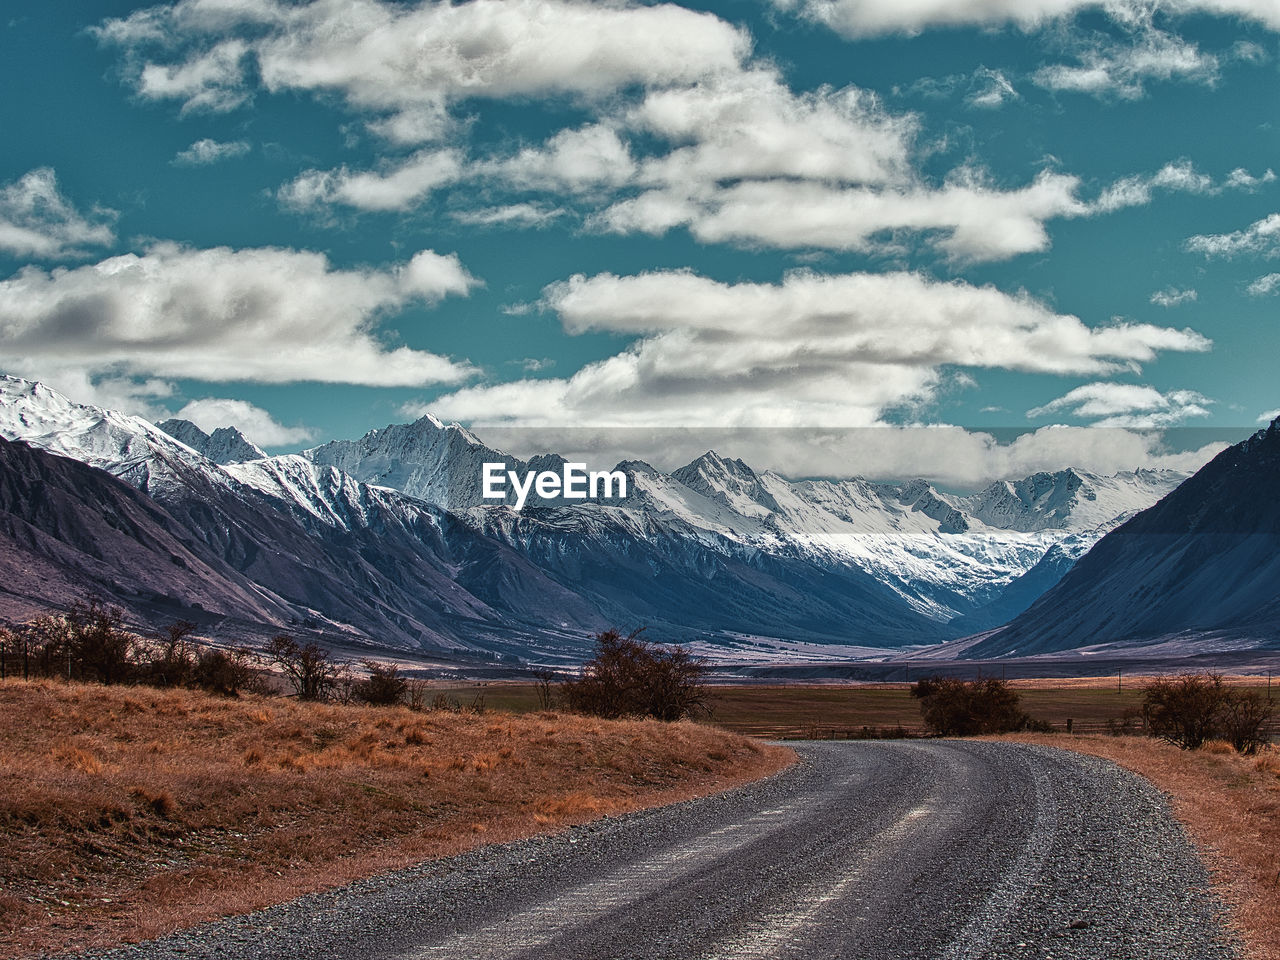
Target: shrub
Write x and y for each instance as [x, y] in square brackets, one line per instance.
[383, 687]
[629, 676]
[1192, 709]
[1184, 710]
[952, 707]
[1244, 721]
[88, 642]
[227, 672]
[309, 670]
[173, 663]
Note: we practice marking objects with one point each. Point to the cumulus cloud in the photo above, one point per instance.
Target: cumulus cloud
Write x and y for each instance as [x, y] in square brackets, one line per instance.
[1264, 286]
[1261, 238]
[863, 18]
[1268, 416]
[204, 152]
[407, 64]
[398, 185]
[1173, 297]
[36, 220]
[576, 160]
[263, 314]
[831, 351]
[967, 219]
[211, 413]
[1125, 405]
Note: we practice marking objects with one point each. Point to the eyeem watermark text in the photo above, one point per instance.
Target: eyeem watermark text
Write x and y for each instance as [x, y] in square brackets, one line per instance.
[573, 482]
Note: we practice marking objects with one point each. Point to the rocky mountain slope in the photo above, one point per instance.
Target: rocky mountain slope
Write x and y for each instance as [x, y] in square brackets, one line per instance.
[1203, 561]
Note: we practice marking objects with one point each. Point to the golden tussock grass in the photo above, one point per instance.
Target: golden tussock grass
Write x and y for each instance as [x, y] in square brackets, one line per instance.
[129, 812]
[1230, 805]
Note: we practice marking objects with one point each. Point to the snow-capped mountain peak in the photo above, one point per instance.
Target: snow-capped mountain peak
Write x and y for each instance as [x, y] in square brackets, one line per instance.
[224, 445]
[124, 445]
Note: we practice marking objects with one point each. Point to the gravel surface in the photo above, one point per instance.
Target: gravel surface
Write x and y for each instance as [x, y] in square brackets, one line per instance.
[877, 850]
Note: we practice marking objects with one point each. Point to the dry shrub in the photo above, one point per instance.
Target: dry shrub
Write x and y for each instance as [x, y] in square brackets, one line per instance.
[160, 802]
[78, 759]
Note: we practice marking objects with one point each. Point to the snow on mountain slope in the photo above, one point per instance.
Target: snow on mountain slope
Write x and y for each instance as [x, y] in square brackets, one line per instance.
[1071, 500]
[224, 445]
[425, 459]
[128, 447]
[943, 555]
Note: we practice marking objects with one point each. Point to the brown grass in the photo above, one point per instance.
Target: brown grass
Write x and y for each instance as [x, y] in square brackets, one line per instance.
[1230, 805]
[127, 813]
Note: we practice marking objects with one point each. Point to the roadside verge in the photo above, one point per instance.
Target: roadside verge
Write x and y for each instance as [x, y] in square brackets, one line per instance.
[1229, 805]
[131, 812]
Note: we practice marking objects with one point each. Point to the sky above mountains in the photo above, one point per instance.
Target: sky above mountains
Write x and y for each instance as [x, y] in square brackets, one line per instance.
[832, 237]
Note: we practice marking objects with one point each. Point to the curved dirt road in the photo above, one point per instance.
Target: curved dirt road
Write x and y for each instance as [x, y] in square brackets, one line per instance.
[878, 850]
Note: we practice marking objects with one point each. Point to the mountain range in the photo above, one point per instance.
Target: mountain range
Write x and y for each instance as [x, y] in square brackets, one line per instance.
[387, 540]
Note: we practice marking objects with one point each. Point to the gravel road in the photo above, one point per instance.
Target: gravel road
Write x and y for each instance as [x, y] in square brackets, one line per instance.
[877, 850]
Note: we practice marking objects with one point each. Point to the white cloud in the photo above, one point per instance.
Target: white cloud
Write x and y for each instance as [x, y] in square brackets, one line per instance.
[212, 80]
[586, 158]
[206, 151]
[400, 185]
[1268, 416]
[992, 89]
[36, 220]
[830, 351]
[1264, 286]
[1242, 179]
[1111, 68]
[211, 413]
[1180, 176]
[751, 126]
[407, 64]
[1261, 237]
[967, 219]
[1128, 406]
[949, 455]
[515, 214]
[862, 18]
[1173, 297]
[263, 314]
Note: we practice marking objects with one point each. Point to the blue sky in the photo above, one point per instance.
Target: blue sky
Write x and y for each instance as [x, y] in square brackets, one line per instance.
[777, 224]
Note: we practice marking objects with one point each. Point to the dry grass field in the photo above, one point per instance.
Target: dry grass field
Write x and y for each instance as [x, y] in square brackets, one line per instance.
[128, 812]
[1230, 805]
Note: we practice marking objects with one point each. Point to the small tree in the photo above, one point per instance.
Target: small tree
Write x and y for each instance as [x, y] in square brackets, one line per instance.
[97, 645]
[546, 694]
[951, 707]
[1184, 710]
[629, 676]
[174, 663]
[383, 687]
[1244, 721]
[309, 670]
